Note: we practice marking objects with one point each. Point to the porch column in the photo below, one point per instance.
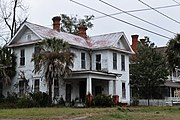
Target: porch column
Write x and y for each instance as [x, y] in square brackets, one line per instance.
[89, 85]
[170, 90]
[115, 96]
[89, 96]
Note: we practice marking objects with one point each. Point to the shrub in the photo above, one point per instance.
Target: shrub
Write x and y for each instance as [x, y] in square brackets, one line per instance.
[26, 102]
[103, 101]
[40, 98]
[134, 101]
[61, 101]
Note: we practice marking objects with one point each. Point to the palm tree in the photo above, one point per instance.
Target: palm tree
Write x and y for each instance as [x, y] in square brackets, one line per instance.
[54, 59]
[173, 53]
[7, 65]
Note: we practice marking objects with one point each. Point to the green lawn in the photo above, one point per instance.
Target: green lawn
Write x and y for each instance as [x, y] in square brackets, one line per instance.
[124, 113]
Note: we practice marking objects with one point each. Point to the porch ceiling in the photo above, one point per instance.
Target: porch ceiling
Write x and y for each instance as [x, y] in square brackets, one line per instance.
[93, 74]
[172, 84]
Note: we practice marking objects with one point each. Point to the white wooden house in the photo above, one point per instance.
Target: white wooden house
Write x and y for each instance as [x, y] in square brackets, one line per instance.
[101, 65]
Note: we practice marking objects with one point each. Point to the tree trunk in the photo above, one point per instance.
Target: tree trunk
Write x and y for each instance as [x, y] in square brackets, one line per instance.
[50, 91]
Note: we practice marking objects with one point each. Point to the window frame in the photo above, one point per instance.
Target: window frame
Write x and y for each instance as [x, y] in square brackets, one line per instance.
[22, 57]
[114, 61]
[56, 88]
[36, 86]
[123, 62]
[123, 90]
[83, 60]
[98, 63]
[21, 87]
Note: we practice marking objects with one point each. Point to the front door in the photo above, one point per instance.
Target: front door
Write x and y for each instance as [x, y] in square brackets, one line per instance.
[68, 92]
[82, 90]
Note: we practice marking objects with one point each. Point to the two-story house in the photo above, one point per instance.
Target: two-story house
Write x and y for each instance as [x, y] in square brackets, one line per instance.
[171, 87]
[101, 65]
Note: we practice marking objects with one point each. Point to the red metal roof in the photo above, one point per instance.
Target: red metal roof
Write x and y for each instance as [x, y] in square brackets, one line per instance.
[100, 41]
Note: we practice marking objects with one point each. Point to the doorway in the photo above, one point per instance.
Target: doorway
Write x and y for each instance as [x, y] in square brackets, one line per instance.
[82, 91]
[68, 92]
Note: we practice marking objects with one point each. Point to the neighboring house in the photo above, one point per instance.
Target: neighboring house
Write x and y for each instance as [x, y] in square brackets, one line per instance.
[171, 87]
[101, 65]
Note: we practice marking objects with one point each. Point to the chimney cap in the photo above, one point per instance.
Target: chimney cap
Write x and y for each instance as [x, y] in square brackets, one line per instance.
[135, 35]
[56, 18]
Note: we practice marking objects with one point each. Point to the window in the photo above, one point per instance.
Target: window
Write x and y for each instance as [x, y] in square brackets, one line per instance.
[122, 62]
[28, 37]
[1, 89]
[114, 60]
[36, 51]
[83, 62]
[56, 87]
[98, 62]
[36, 85]
[22, 57]
[21, 88]
[123, 90]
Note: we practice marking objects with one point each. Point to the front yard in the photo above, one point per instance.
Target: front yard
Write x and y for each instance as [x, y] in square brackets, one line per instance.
[124, 113]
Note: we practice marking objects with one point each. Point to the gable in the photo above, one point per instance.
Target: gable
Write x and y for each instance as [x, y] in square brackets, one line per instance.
[24, 36]
[121, 44]
[27, 36]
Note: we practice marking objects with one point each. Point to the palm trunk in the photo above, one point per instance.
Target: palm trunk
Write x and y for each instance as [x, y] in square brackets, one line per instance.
[50, 91]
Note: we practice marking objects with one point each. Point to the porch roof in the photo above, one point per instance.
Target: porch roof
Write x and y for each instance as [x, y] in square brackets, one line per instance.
[94, 74]
[172, 84]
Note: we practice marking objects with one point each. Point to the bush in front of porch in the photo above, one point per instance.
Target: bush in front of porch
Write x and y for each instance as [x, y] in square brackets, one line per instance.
[102, 100]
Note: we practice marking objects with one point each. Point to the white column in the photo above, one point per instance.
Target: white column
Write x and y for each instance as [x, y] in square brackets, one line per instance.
[170, 92]
[111, 91]
[114, 87]
[89, 85]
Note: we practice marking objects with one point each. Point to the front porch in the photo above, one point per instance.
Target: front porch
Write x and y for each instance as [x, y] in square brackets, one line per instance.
[82, 83]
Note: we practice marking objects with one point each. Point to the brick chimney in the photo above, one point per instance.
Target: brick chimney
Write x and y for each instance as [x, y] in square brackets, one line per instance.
[134, 42]
[56, 23]
[82, 31]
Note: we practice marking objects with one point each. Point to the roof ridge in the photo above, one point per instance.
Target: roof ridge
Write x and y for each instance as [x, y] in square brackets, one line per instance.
[106, 34]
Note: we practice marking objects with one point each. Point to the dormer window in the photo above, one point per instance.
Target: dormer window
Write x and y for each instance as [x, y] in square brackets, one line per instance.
[28, 37]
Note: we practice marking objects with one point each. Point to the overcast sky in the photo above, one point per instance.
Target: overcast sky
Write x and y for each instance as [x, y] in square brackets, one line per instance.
[42, 11]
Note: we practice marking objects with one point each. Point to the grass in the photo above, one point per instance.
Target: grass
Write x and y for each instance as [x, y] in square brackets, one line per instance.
[123, 113]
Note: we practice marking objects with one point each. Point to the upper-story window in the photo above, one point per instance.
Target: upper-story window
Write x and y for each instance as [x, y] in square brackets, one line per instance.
[98, 62]
[22, 57]
[83, 61]
[122, 62]
[36, 85]
[36, 51]
[115, 61]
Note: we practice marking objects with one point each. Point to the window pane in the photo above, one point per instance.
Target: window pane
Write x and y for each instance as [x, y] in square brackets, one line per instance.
[22, 57]
[114, 60]
[83, 62]
[21, 87]
[56, 87]
[123, 62]
[36, 85]
[98, 62]
[123, 90]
